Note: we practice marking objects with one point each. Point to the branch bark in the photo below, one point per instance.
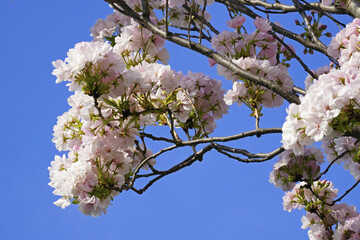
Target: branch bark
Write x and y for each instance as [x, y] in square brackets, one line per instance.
[352, 7]
[290, 8]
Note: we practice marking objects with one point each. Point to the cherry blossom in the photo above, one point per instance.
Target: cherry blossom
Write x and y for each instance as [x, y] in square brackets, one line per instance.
[122, 85]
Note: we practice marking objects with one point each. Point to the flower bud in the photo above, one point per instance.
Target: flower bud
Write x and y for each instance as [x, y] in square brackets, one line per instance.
[322, 27]
[328, 34]
[313, 12]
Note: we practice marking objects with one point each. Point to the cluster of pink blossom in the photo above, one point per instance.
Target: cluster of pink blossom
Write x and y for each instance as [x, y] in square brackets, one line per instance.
[203, 93]
[133, 37]
[344, 150]
[120, 88]
[303, 195]
[321, 115]
[132, 42]
[339, 214]
[349, 229]
[341, 146]
[311, 120]
[290, 168]
[258, 53]
[117, 94]
[327, 112]
[85, 58]
[259, 44]
[346, 42]
[245, 92]
[178, 16]
[106, 28]
[325, 219]
[100, 156]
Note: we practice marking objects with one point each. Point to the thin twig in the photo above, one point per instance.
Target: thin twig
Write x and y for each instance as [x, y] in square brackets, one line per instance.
[301, 10]
[250, 160]
[167, 17]
[248, 154]
[201, 22]
[187, 162]
[294, 55]
[332, 162]
[189, 22]
[346, 193]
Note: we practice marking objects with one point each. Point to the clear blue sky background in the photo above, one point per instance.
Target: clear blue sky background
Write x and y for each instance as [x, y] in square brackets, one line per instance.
[217, 198]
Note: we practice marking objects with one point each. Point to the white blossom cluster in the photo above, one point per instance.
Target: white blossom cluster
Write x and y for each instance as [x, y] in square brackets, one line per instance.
[327, 112]
[290, 168]
[258, 53]
[322, 214]
[244, 92]
[116, 95]
[120, 87]
[334, 92]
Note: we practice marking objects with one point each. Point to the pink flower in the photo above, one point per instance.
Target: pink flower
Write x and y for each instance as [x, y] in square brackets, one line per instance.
[224, 42]
[326, 2]
[262, 24]
[212, 62]
[236, 22]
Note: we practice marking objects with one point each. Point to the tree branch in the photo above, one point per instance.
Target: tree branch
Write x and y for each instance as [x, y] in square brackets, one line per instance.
[252, 158]
[242, 8]
[202, 20]
[294, 55]
[290, 8]
[301, 10]
[187, 162]
[332, 162]
[346, 193]
[289, 96]
[353, 8]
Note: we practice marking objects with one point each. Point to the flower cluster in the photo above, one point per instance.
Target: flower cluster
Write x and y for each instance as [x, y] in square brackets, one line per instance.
[331, 104]
[178, 16]
[329, 110]
[106, 28]
[252, 94]
[119, 89]
[259, 44]
[344, 150]
[345, 42]
[348, 229]
[322, 214]
[95, 58]
[204, 94]
[290, 168]
[309, 197]
[259, 53]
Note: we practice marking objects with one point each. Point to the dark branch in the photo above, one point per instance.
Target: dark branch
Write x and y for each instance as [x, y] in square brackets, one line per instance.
[252, 158]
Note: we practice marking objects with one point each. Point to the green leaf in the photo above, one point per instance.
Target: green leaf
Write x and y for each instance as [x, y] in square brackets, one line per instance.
[110, 102]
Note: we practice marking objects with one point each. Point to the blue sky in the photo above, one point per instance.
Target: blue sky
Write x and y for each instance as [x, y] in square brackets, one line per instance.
[217, 198]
